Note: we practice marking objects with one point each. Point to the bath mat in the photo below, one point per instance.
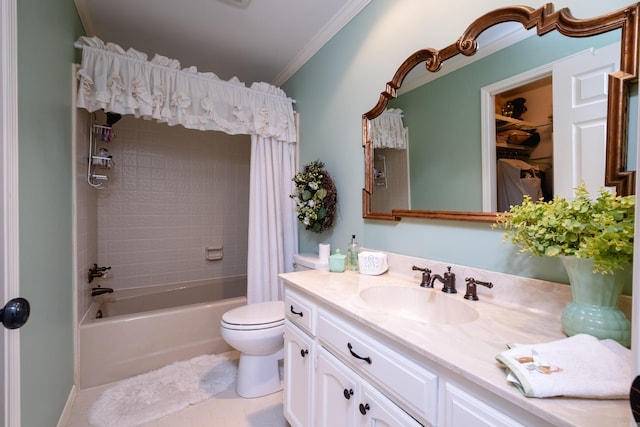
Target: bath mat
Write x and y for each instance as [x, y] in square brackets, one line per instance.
[155, 394]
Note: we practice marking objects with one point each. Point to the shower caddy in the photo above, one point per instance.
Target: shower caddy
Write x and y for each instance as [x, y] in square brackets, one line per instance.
[99, 159]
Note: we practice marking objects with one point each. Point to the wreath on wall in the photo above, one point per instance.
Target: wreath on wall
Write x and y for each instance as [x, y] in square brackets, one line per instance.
[315, 197]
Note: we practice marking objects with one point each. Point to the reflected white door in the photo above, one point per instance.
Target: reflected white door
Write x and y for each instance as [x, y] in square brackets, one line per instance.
[580, 85]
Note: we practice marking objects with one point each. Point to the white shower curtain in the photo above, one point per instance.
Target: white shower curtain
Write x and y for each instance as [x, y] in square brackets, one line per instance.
[273, 230]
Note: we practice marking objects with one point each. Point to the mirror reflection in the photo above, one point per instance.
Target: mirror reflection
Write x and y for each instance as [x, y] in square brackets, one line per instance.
[485, 131]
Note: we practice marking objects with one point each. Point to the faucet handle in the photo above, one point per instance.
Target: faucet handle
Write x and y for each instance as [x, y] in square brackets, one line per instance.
[426, 277]
[472, 287]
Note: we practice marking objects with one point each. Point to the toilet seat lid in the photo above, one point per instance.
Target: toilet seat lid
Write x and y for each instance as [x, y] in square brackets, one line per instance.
[258, 314]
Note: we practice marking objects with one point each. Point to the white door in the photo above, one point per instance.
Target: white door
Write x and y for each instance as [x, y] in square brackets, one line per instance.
[580, 85]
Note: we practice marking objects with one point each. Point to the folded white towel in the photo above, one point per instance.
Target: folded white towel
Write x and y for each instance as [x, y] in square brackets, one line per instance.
[578, 366]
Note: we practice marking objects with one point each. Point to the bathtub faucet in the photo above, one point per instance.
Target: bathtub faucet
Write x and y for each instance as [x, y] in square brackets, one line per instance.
[97, 272]
[99, 291]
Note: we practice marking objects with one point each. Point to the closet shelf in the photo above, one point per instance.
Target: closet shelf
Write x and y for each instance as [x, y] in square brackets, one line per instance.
[508, 123]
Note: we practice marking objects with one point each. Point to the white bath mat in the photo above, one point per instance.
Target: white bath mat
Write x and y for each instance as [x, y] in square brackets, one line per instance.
[152, 395]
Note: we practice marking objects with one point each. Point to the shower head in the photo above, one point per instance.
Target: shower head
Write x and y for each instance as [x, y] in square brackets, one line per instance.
[112, 118]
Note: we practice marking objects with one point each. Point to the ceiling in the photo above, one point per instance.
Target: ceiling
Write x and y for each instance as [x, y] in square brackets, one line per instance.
[266, 40]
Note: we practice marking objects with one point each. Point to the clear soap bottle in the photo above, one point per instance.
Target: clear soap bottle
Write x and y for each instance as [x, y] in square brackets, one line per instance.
[352, 254]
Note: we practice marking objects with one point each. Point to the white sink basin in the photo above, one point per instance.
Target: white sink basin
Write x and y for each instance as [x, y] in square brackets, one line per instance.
[423, 305]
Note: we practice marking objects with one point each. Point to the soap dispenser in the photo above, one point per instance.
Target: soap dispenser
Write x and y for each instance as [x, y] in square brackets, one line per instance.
[352, 254]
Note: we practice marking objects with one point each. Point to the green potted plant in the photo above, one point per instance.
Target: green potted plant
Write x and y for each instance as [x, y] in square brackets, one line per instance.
[594, 238]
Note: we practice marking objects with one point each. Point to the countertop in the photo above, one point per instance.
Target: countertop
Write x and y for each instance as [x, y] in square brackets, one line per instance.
[469, 349]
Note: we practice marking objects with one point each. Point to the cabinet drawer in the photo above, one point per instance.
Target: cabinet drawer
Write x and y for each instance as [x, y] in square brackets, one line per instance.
[411, 385]
[300, 311]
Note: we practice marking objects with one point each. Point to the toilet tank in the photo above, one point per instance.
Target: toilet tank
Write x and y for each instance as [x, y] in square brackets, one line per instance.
[302, 262]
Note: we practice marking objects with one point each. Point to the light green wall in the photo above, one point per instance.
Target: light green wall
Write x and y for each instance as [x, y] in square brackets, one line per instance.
[344, 80]
[451, 154]
[46, 32]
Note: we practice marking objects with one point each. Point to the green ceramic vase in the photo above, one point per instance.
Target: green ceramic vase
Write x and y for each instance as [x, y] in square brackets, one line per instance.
[594, 308]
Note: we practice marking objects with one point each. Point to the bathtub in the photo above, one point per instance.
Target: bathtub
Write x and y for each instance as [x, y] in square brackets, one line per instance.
[132, 331]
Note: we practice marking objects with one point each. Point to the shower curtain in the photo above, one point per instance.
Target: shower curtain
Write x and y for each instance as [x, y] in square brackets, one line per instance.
[126, 82]
[273, 230]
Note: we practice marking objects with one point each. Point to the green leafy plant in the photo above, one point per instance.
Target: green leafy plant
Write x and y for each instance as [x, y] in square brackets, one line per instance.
[600, 228]
[315, 197]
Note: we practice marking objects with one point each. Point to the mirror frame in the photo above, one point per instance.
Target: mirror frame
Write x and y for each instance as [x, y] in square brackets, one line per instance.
[545, 19]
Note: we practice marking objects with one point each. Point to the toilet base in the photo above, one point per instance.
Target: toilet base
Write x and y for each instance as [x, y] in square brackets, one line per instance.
[259, 375]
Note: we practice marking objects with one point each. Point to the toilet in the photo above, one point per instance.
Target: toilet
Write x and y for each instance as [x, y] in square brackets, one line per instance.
[257, 332]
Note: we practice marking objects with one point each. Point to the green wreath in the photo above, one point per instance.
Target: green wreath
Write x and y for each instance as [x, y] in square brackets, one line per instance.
[315, 197]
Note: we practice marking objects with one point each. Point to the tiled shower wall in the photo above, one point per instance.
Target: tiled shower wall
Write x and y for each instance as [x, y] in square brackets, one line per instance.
[172, 192]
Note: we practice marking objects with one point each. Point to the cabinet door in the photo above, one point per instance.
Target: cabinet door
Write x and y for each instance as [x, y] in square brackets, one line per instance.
[337, 392]
[462, 410]
[299, 354]
[376, 410]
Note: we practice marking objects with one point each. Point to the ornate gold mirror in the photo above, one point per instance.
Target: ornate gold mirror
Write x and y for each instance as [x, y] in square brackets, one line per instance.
[380, 161]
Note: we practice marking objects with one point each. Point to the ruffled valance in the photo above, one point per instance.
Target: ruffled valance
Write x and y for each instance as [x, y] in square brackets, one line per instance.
[388, 131]
[125, 82]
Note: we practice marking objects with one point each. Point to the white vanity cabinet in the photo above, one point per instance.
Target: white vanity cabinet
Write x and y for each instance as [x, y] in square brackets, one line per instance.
[324, 389]
[344, 399]
[299, 360]
[341, 372]
[461, 409]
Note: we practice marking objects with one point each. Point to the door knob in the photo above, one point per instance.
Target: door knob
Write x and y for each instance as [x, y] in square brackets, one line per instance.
[15, 313]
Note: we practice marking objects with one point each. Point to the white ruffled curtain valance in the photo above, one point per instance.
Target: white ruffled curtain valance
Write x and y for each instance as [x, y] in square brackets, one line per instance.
[125, 82]
[388, 131]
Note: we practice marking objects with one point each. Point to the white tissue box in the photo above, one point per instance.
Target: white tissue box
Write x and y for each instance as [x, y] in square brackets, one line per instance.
[372, 263]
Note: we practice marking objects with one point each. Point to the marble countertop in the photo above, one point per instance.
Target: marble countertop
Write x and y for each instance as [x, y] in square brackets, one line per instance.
[469, 349]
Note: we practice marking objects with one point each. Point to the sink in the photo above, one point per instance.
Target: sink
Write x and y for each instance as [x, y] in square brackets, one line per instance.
[421, 304]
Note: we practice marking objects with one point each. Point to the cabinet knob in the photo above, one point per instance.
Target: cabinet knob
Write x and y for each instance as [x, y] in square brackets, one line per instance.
[364, 408]
[348, 393]
[304, 352]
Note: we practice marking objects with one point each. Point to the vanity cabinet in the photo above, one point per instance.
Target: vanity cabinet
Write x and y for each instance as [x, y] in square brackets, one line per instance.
[344, 399]
[340, 372]
[299, 354]
[324, 388]
[461, 409]
[299, 360]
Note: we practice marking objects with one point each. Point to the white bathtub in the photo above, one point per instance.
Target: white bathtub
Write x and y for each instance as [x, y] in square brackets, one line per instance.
[147, 328]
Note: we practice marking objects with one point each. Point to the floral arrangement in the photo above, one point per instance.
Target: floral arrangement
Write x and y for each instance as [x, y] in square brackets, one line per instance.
[315, 197]
[600, 228]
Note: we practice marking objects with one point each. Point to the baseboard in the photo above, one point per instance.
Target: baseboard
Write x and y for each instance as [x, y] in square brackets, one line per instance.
[65, 416]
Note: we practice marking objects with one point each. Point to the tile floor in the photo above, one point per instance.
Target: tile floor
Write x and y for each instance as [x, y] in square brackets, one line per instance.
[226, 409]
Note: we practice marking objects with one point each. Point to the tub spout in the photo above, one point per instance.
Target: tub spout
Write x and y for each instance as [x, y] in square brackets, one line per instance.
[99, 291]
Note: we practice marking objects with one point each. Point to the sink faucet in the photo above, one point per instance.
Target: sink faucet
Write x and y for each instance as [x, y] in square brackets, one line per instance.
[99, 291]
[448, 279]
[426, 277]
[471, 288]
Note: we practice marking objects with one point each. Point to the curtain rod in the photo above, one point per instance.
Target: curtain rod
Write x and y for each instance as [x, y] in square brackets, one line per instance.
[79, 45]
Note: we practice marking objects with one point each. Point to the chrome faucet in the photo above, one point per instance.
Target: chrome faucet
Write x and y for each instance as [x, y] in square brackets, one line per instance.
[99, 291]
[448, 279]
[426, 277]
[471, 288]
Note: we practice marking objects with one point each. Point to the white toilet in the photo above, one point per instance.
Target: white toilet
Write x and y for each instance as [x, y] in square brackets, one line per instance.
[257, 332]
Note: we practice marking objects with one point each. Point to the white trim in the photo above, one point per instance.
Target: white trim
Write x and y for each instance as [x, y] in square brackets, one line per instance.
[82, 6]
[488, 118]
[74, 232]
[9, 194]
[346, 14]
[65, 416]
